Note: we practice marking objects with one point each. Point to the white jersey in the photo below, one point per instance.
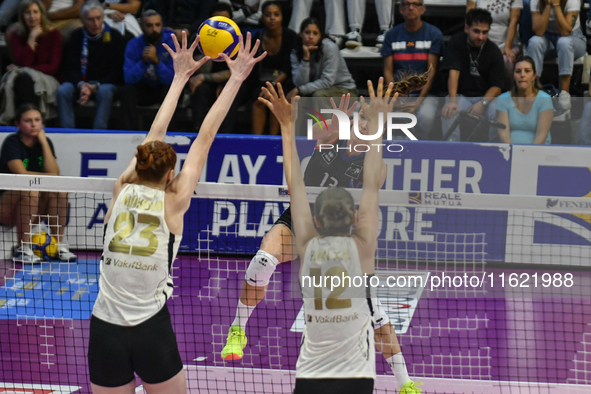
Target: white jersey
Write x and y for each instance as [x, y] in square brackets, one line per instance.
[138, 253]
[338, 339]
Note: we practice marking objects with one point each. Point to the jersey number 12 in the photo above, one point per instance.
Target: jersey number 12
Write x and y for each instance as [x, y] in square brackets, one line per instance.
[332, 302]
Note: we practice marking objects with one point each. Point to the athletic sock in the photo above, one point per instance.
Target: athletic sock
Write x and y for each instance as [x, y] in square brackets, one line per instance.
[243, 313]
[398, 365]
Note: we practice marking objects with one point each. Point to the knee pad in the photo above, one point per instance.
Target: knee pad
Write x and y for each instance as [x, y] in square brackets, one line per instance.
[380, 318]
[260, 269]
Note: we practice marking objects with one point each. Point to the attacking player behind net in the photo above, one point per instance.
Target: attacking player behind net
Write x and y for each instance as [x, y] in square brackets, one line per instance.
[130, 328]
[278, 239]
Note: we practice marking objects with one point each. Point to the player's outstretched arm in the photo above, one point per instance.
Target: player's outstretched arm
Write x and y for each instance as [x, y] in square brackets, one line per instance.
[184, 184]
[368, 214]
[301, 215]
[277, 103]
[184, 67]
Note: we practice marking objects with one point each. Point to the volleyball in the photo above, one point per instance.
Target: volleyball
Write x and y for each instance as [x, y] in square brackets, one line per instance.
[44, 245]
[218, 35]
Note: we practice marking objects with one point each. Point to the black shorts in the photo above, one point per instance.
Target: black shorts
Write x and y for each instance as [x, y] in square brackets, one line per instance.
[333, 386]
[150, 349]
[285, 219]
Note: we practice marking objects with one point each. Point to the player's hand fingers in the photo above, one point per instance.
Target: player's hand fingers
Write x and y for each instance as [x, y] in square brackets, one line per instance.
[266, 102]
[280, 91]
[168, 49]
[394, 98]
[380, 87]
[389, 90]
[176, 43]
[195, 42]
[258, 59]
[362, 102]
[240, 43]
[200, 63]
[372, 93]
[271, 91]
[332, 103]
[255, 48]
[203, 60]
[226, 58]
[184, 40]
[247, 44]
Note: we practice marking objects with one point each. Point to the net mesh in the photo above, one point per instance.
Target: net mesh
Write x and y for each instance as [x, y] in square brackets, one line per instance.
[489, 335]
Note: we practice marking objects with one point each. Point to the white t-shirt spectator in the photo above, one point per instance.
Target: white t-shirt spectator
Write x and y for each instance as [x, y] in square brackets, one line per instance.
[500, 11]
[571, 6]
[57, 5]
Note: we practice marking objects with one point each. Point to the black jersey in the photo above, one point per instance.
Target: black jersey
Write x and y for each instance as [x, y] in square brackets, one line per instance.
[330, 167]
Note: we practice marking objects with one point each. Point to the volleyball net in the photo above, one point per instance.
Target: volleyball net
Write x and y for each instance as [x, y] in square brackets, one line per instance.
[485, 292]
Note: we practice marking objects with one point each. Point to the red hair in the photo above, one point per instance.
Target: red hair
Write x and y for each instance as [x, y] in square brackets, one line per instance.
[154, 160]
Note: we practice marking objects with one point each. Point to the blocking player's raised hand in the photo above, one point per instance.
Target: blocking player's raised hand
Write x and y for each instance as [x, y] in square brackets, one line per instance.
[277, 103]
[184, 63]
[380, 102]
[245, 61]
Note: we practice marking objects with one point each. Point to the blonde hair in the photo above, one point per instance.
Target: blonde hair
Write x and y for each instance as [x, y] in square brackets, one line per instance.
[334, 209]
[23, 7]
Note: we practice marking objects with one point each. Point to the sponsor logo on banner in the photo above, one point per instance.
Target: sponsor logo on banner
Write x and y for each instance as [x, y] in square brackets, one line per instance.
[283, 191]
[435, 198]
[551, 203]
[562, 203]
[414, 198]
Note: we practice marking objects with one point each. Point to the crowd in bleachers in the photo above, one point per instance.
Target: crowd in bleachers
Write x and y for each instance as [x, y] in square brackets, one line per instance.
[72, 54]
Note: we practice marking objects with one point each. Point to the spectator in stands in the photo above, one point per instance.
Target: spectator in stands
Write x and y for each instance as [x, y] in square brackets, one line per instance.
[246, 12]
[414, 46]
[556, 25]
[121, 15]
[278, 41]
[503, 30]
[356, 16]
[8, 11]
[93, 67]
[317, 66]
[65, 15]
[183, 14]
[206, 86]
[526, 110]
[29, 151]
[335, 19]
[148, 68]
[474, 79]
[37, 51]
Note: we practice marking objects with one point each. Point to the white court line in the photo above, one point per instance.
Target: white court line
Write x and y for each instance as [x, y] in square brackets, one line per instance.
[226, 380]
